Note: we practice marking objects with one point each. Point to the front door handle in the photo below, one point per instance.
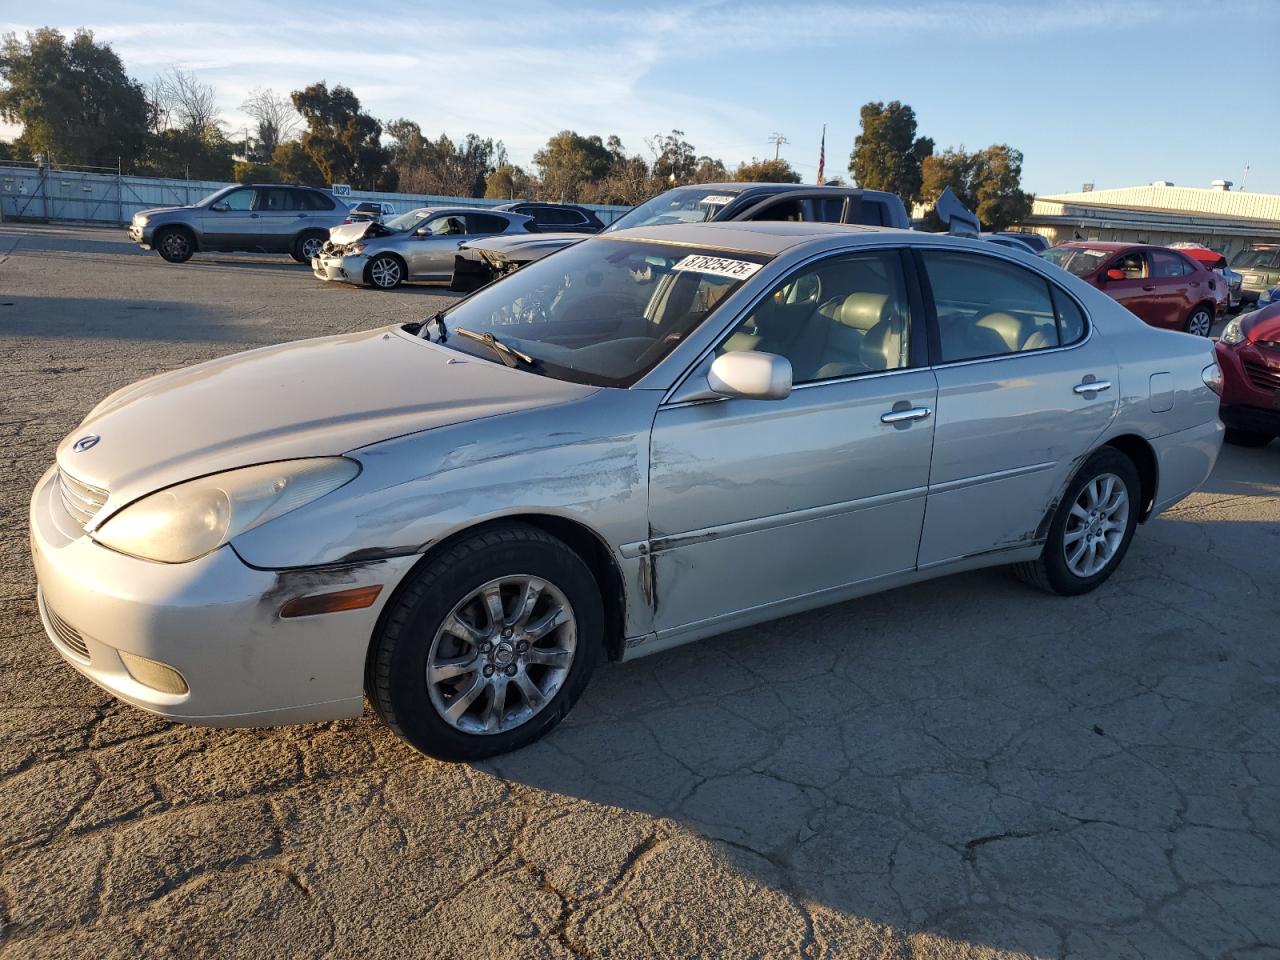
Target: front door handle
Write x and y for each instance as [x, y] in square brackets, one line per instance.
[1148, 287]
[1092, 386]
[906, 416]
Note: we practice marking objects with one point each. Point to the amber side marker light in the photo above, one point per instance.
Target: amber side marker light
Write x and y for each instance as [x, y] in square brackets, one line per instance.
[355, 599]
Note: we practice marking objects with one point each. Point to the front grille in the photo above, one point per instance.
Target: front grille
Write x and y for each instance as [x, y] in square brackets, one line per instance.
[1262, 377]
[68, 635]
[81, 500]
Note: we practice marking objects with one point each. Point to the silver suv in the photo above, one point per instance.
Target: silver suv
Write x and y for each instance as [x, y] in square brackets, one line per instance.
[272, 218]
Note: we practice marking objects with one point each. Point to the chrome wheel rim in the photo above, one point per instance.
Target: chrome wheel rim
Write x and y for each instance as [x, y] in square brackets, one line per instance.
[385, 272]
[311, 247]
[501, 655]
[1096, 525]
[1201, 323]
[175, 244]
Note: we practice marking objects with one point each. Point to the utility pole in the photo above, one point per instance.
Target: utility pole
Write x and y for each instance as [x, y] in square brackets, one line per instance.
[777, 140]
[1244, 181]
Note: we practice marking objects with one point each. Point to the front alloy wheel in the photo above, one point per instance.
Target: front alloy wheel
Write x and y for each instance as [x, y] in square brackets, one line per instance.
[385, 273]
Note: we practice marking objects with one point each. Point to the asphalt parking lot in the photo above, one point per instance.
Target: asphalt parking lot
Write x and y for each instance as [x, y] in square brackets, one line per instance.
[963, 768]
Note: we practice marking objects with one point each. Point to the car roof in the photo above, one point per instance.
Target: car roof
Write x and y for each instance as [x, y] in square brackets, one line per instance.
[765, 237]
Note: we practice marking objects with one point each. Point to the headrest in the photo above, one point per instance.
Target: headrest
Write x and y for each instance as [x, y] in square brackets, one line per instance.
[1009, 327]
[862, 311]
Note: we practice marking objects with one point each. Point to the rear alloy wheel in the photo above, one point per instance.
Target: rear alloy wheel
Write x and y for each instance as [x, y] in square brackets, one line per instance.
[307, 246]
[385, 272]
[1092, 528]
[174, 245]
[1200, 322]
[487, 647]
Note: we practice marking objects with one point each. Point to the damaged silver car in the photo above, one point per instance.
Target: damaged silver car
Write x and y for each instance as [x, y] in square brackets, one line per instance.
[654, 436]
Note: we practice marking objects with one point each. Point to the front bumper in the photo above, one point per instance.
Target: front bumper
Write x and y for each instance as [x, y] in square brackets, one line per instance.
[214, 620]
[341, 269]
[140, 235]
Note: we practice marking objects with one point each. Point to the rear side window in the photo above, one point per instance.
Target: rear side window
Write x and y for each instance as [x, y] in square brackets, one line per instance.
[314, 200]
[1165, 265]
[556, 216]
[1070, 317]
[486, 223]
[827, 209]
[867, 212]
[988, 307]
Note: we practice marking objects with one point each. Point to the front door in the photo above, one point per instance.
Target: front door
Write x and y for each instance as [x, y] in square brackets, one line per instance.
[435, 243]
[753, 502]
[1023, 390]
[232, 222]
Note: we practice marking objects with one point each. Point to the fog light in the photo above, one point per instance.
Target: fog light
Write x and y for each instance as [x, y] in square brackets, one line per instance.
[154, 674]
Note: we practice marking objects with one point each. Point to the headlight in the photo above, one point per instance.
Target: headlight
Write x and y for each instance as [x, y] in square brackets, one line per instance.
[190, 519]
[355, 248]
[140, 220]
[1232, 333]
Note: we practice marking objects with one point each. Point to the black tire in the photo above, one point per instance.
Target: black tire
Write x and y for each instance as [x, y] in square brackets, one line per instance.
[174, 244]
[1200, 320]
[395, 671]
[1247, 438]
[307, 245]
[385, 272]
[1050, 571]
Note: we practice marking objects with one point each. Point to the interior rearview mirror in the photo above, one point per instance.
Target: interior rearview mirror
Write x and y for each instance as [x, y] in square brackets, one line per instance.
[1115, 274]
[750, 375]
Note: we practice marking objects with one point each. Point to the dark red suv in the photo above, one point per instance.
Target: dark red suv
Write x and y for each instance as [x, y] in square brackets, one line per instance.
[1164, 287]
[1249, 355]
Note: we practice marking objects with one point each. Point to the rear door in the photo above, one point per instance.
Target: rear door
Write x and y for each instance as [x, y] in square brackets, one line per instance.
[1024, 390]
[1173, 296]
[280, 217]
[236, 226]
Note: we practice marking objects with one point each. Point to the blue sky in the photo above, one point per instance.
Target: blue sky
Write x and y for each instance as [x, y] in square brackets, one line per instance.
[1114, 93]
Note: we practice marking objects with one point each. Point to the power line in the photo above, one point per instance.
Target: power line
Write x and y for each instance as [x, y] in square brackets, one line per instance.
[777, 140]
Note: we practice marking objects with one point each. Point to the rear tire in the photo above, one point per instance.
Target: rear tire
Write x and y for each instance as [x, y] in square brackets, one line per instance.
[1200, 322]
[385, 272]
[426, 670]
[174, 244]
[1247, 438]
[307, 246]
[1092, 528]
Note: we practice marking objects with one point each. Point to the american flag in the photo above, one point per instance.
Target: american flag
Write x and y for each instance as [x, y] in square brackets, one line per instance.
[822, 154]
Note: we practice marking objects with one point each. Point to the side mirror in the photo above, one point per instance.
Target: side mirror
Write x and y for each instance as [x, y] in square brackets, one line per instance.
[1114, 274]
[220, 206]
[750, 375]
[422, 232]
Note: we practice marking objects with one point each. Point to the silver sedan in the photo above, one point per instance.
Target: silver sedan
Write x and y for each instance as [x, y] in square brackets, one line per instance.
[647, 438]
[418, 245]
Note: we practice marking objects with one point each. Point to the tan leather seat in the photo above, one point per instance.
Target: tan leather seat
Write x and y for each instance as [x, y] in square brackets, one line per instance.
[1011, 329]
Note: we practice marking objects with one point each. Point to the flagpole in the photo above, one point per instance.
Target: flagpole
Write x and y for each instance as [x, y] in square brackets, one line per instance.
[822, 156]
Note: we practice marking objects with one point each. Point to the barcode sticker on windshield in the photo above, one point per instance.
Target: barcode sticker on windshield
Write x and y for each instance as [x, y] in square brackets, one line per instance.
[716, 199]
[1097, 253]
[717, 266]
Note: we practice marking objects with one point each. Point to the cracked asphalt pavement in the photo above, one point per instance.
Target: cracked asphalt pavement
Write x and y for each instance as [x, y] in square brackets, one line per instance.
[960, 769]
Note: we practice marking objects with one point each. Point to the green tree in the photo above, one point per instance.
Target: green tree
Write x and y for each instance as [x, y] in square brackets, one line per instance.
[766, 171]
[441, 167]
[251, 171]
[343, 142]
[508, 182]
[988, 182]
[294, 165]
[888, 155]
[628, 180]
[674, 158]
[198, 156]
[570, 164]
[73, 98]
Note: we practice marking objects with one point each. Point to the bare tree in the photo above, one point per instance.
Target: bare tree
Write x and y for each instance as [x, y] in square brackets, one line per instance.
[180, 99]
[276, 119]
[159, 104]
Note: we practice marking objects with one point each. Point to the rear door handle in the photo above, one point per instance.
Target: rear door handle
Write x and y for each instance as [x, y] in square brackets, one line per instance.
[906, 416]
[1092, 386]
[1148, 287]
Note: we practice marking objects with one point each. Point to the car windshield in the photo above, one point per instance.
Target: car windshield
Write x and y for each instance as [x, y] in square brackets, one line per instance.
[1079, 260]
[406, 221]
[683, 205]
[1264, 259]
[603, 311]
[215, 195]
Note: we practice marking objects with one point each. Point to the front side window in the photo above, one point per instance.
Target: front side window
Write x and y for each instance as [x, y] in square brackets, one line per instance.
[240, 200]
[602, 311]
[1133, 265]
[452, 226]
[836, 318]
[988, 307]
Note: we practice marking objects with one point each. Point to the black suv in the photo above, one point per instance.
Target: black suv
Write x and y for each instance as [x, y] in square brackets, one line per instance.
[267, 217]
[561, 217]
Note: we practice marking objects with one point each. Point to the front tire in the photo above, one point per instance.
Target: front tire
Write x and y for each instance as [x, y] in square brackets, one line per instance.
[385, 272]
[307, 246]
[1247, 438]
[1092, 528]
[174, 244]
[488, 645]
[1200, 322]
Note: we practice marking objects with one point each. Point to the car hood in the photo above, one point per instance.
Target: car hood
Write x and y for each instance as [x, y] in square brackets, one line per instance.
[311, 398]
[155, 211]
[348, 232]
[1264, 325]
[523, 247]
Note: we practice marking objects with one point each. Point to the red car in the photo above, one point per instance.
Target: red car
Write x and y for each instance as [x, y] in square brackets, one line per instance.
[1249, 355]
[1164, 287]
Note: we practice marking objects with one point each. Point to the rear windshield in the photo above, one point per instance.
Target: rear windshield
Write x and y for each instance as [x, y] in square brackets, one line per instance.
[1078, 260]
[682, 205]
[1258, 259]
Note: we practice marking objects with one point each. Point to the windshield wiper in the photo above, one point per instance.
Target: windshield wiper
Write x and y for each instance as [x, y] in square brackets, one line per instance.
[509, 354]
